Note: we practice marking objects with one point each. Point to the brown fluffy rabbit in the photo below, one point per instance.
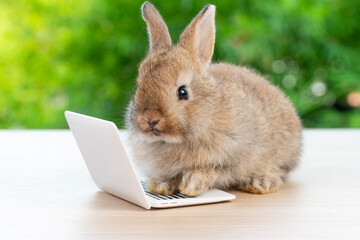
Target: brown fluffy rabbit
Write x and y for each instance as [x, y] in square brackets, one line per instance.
[195, 125]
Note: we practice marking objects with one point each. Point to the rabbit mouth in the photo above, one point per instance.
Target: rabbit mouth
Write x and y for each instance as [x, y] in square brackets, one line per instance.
[155, 131]
[152, 135]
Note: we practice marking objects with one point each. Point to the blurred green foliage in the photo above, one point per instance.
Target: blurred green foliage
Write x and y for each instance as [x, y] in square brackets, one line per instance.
[83, 55]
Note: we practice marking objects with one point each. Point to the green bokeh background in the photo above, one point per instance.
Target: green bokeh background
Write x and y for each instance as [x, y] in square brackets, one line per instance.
[83, 55]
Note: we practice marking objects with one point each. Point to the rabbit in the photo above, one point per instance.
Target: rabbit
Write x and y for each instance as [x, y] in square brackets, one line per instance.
[195, 125]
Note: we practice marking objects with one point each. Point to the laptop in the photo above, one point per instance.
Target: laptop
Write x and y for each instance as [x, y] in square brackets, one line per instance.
[110, 167]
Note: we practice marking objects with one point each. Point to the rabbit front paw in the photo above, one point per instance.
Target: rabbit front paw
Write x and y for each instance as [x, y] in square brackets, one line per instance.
[162, 187]
[195, 182]
[261, 185]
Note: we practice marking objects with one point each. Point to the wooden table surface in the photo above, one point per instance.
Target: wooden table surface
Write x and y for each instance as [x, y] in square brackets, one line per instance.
[46, 193]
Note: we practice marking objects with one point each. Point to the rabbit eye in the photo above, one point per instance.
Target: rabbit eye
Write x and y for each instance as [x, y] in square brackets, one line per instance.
[182, 93]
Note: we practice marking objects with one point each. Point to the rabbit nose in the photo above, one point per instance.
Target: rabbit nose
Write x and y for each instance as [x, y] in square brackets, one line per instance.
[153, 123]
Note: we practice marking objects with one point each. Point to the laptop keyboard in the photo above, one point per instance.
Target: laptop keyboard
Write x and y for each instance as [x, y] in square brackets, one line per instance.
[162, 197]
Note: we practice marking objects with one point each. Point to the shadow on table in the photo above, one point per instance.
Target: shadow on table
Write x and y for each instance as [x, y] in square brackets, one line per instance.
[106, 202]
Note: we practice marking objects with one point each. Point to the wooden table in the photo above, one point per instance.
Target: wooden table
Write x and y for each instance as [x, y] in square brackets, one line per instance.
[46, 193]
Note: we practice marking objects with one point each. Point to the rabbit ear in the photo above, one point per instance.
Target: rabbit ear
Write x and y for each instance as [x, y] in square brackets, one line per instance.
[159, 36]
[199, 37]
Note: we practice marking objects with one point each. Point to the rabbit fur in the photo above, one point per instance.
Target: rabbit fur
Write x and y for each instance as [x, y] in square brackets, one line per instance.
[234, 130]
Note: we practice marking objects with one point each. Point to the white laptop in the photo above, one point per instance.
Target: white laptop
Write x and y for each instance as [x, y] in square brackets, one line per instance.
[113, 172]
